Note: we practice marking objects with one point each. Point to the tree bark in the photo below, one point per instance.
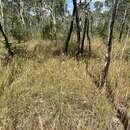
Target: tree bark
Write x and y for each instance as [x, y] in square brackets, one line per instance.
[88, 37]
[22, 11]
[123, 23]
[7, 45]
[109, 45]
[84, 33]
[1, 12]
[86, 28]
[123, 116]
[91, 26]
[70, 32]
[53, 20]
[78, 26]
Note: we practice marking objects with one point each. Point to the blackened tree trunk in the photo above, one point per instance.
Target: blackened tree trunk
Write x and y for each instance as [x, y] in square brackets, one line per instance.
[84, 33]
[7, 45]
[91, 26]
[109, 45]
[78, 26]
[70, 32]
[86, 29]
[123, 23]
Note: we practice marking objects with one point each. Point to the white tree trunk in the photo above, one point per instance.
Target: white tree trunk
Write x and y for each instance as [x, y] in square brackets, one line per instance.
[22, 11]
[109, 45]
[1, 14]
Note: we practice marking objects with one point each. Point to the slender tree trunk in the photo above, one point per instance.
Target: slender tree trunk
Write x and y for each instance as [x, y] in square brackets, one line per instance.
[84, 33]
[123, 116]
[70, 32]
[127, 36]
[91, 26]
[86, 26]
[109, 45]
[88, 37]
[123, 23]
[86, 29]
[22, 11]
[38, 13]
[7, 45]
[2, 15]
[78, 26]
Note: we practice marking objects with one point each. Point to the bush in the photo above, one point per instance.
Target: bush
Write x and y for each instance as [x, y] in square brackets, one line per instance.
[20, 33]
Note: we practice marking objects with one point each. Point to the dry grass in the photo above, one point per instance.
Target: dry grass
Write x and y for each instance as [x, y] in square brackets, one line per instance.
[40, 91]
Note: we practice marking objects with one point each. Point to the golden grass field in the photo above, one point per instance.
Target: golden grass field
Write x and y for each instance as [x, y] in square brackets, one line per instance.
[40, 90]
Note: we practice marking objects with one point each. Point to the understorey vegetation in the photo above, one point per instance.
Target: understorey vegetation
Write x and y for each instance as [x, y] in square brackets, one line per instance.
[64, 65]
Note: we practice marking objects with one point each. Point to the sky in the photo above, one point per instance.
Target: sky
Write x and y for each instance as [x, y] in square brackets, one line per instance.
[70, 5]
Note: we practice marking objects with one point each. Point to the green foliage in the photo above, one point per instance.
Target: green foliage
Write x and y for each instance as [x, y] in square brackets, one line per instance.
[46, 30]
[8, 45]
[59, 7]
[20, 33]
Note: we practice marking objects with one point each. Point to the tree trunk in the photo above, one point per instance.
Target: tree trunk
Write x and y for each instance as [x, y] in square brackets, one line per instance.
[86, 26]
[53, 20]
[86, 29]
[78, 26]
[126, 40]
[88, 37]
[70, 32]
[38, 7]
[22, 11]
[84, 32]
[7, 45]
[123, 116]
[123, 23]
[1, 12]
[109, 45]
[91, 26]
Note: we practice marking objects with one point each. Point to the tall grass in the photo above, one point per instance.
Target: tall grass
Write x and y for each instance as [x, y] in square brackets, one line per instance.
[43, 91]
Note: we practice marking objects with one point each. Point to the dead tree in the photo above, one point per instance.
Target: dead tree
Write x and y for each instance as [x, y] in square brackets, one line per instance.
[123, 22]
[7, 44]
[109, 45]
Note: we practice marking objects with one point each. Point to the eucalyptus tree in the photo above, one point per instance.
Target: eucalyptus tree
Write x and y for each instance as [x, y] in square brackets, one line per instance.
[1, 13]
[78, 26]
[75, 14]
[125, 6]
[69, 33]
[98, 8]
[109, 44]
[77, 9]
[87, 18]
